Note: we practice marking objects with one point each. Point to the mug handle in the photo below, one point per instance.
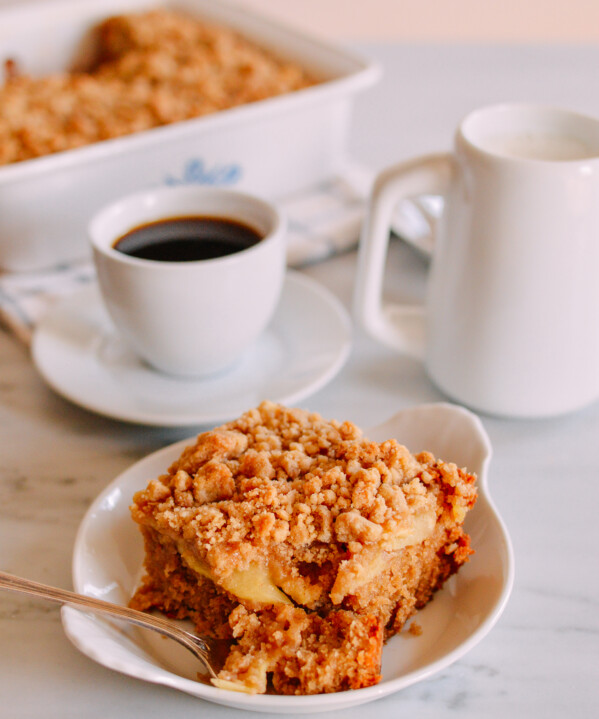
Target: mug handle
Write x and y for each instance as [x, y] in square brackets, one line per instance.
[401, 327]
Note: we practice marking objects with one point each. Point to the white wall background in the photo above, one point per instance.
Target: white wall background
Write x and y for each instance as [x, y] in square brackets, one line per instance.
[462, 21]
[442, 20]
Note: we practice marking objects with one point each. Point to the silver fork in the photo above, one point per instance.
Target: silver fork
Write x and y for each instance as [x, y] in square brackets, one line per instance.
[198, 646]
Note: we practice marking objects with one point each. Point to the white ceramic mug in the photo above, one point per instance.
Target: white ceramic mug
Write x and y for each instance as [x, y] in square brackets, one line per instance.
[190, 318]
[511, 320]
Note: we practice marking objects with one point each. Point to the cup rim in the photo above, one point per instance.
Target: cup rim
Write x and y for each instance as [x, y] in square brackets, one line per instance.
[466, 132]
[106, 246]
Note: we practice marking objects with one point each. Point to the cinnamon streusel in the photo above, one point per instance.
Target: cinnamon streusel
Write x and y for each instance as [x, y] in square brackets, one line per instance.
[303, 542]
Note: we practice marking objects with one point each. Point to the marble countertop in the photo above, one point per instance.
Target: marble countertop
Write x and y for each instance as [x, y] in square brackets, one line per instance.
[541, 659]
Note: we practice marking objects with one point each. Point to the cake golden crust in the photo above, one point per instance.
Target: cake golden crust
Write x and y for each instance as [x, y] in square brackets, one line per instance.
[283, 517]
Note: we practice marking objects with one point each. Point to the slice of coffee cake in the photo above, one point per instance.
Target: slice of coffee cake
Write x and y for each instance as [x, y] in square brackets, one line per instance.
[303, 542]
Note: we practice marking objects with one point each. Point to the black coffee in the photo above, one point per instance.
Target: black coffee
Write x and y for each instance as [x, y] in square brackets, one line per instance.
[187, 239]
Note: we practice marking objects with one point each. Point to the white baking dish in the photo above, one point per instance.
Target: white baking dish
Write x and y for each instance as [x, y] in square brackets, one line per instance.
[271, 147]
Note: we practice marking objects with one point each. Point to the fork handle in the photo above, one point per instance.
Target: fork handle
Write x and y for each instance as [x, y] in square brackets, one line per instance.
[62, 596]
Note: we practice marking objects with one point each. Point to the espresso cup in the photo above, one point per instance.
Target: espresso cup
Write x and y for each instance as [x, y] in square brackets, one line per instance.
[189, 317]
[510, 324]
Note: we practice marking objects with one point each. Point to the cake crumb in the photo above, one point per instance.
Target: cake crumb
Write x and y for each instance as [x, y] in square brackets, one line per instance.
[415, 629]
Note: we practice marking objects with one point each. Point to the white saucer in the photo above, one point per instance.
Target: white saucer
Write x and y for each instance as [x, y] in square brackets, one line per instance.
[108, 555]
[80, 355]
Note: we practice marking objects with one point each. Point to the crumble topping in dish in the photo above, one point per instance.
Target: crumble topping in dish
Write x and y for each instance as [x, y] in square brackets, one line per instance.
[283, 519]
[152, 69]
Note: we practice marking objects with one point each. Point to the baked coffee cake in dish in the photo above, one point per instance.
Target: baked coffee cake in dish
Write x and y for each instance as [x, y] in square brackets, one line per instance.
[303, 543]
[150, 69]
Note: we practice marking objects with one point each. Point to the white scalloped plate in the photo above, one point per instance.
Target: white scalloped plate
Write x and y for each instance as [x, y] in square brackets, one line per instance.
[108, 554]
